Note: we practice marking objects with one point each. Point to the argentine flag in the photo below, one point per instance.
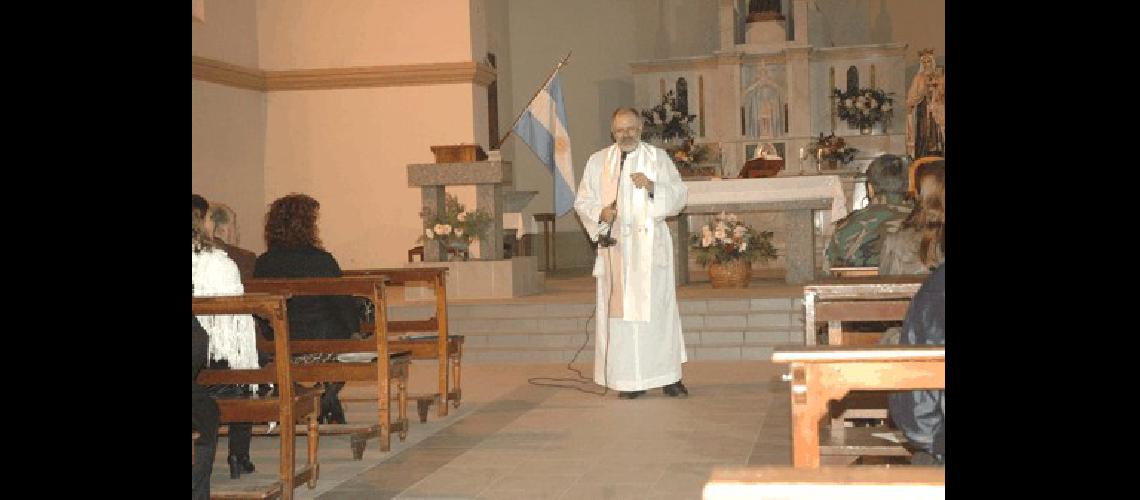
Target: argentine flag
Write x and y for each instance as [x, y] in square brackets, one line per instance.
[543, 128]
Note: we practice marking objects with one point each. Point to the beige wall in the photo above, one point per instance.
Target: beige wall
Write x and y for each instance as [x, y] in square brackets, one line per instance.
[227, 152]
[349, 148]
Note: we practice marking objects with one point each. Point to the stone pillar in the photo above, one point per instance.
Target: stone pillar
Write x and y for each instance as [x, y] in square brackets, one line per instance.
[727, 24]
[800, 18]
[799, 101]
[800, 250]
[433, 198]
[489, 198]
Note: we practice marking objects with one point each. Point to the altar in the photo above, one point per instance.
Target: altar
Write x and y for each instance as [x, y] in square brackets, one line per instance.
[800, 197]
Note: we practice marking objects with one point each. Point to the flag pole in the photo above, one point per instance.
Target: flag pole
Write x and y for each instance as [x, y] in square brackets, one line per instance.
[544, 84]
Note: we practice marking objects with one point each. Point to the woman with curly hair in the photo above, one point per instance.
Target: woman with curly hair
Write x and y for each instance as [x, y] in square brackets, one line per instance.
[918, 246]
[295, 251]
[232, 342]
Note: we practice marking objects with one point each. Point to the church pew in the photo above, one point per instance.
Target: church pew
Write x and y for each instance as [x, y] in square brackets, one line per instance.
[393, 372]
[863, 298]
[826, 483]
[288, 405]
[868, 298]
[446, 349]
[820, 374]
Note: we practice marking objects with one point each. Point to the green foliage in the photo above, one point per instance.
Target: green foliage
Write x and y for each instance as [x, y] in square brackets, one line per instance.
[665, 121]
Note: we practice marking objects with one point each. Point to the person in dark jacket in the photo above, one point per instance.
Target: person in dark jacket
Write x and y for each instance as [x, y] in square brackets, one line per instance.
[295, 251]
[205, 416]
[921, 415]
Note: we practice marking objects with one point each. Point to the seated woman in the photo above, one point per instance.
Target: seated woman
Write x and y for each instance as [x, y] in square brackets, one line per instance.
[232, 342]
[913, 249]
[921, 415]
[295, 251]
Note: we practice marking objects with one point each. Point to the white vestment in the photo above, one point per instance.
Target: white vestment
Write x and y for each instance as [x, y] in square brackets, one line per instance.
[643, 348]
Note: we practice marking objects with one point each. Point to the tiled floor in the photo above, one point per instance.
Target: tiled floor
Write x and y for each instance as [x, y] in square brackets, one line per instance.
[511, 439]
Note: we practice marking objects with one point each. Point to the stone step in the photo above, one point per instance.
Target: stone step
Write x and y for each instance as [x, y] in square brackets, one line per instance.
[564, 355]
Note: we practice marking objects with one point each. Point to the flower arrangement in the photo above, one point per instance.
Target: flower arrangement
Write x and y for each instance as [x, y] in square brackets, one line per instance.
[862, 108]
[664, 121]
[688, 156]
[455, 226]
[831, 149]
[727, 239]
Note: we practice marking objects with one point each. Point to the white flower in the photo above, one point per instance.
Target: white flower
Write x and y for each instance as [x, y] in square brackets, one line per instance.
[744, 246]
[739, 231]
[874, 103]
[860, 99]
[706, 241]
[719, 234]
[848, 102]
[442, 229]
[706, 231]
[887, 106]
[668, 108]
[428, 232]
[459, 231]
[462, 216]
[732, 217]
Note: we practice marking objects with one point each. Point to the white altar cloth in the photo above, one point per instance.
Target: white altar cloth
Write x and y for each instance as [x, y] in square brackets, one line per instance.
[802, 187]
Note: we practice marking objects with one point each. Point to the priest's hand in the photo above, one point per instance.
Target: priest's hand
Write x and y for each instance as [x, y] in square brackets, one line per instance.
[609, 213]
[641, 181]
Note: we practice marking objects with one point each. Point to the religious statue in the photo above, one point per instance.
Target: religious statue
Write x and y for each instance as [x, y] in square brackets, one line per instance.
[926, 109]
[763, 109]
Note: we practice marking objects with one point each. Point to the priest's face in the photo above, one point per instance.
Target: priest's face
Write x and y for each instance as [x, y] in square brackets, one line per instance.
[627, 131]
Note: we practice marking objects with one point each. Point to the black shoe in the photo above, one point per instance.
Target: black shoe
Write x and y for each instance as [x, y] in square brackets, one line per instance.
[239, 464]
[675, 389]
[630, 394]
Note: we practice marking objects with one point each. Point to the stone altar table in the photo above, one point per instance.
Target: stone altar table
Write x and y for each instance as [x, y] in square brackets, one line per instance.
[798, 196]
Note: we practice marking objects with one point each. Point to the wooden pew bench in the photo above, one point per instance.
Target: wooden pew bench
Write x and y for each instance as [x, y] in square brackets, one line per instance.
[863, 298]
[820, 374]
[288, 405]
[367, 369]
[826, 483]
[445, 349]
[835, 300]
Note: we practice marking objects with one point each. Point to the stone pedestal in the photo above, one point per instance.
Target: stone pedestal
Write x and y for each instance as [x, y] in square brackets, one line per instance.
[488, 178]
[483, 279]
[769, 32]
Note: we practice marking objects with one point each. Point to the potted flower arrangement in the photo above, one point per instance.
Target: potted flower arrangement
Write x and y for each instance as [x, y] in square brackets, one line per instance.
[831, 150]
[456, 227]
[689, 156]
[666, 122]
[727, 247]
[863, 108]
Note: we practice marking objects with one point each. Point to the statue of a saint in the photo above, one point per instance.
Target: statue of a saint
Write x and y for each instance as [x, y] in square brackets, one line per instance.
[763, 116]
[926, 109]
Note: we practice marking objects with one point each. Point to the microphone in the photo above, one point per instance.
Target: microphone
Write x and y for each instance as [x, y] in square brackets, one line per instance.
[605, 228]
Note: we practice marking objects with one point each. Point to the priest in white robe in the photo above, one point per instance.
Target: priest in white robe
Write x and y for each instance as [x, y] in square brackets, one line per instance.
[629, 189]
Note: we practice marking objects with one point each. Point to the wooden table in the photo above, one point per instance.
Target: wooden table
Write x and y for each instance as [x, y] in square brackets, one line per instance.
[870, 298]
[549, 229]
[823, 373]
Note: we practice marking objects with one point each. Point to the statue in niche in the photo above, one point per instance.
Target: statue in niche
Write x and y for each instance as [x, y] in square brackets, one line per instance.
[926, 109]
[852, 79]
[682, 96]
[763, 116]
[764, 10]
